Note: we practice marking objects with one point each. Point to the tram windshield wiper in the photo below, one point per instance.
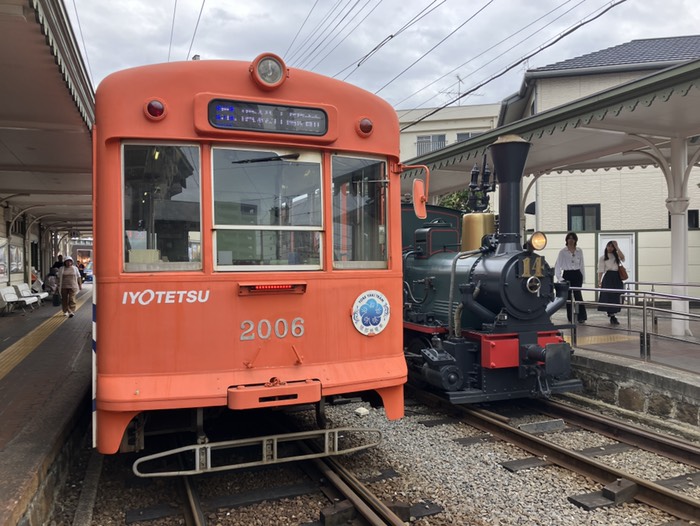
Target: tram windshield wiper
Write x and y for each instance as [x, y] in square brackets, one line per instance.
[267, 159]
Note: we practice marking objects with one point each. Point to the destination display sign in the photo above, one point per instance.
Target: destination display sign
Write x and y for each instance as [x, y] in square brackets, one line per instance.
[271, 118]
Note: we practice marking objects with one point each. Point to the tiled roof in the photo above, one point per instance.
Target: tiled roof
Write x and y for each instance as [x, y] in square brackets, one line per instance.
[636, 52]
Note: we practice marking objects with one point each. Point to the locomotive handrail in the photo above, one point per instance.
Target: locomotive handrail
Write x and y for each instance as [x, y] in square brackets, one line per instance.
[460, 255]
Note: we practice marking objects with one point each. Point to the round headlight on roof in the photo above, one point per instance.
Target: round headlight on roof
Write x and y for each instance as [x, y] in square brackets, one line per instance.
[268, 71]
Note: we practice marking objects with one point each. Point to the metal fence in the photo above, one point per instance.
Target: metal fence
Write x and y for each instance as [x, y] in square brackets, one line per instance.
[651, 312]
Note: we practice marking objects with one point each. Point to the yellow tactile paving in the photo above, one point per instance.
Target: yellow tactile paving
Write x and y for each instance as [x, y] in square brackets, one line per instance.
[17, 352]
[602, 338]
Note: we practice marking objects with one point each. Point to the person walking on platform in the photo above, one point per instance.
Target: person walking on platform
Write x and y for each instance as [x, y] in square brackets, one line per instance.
[570, 267]
[69, 283]
[609, 278]
[58, 264]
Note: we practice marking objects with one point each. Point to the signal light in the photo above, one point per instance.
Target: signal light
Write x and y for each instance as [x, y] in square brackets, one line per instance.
[364, 127]
[155, 109]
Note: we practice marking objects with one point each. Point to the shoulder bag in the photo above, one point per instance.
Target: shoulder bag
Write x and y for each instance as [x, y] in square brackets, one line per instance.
[623, 272]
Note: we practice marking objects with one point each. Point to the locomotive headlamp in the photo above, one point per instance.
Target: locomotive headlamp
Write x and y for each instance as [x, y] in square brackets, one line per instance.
[538, 241]
[268, 71]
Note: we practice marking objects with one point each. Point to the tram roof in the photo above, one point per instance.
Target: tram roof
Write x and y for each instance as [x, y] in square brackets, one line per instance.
[596, 132]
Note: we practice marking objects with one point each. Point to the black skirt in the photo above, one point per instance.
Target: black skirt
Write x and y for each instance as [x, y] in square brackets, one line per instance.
[611, 280]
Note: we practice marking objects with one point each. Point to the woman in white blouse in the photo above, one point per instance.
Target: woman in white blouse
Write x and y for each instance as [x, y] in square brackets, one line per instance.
[609, 278]
[569, 267]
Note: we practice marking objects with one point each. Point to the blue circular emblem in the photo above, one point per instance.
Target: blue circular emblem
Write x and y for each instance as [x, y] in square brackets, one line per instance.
[370, 312]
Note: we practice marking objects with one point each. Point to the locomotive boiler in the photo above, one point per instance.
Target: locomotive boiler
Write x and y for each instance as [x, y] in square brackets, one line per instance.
[477, 320]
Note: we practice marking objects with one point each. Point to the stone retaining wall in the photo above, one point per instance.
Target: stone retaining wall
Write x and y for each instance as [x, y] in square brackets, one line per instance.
[640, 387]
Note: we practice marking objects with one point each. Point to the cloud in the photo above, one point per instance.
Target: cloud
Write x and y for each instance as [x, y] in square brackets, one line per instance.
[130, 33]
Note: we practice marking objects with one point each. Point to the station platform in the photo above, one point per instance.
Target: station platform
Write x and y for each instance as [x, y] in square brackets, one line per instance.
[45, 396]
[45, 390]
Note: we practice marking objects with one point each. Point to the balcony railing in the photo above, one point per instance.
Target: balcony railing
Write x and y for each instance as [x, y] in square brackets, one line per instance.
[427, 147]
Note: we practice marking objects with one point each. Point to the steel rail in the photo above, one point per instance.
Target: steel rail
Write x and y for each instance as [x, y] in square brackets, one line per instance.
[194, 515]
[650, 493]
[366, 503]
[663, 445]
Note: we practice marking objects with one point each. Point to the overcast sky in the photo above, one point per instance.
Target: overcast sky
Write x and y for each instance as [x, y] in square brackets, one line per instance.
[481, 38]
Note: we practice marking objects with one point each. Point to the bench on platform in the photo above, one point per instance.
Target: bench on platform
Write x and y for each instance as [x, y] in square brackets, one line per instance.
[10, 299]
[23, 291]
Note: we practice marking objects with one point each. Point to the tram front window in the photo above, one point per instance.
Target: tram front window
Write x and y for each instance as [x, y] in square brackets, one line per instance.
[161, 207]
[359, 213]
[267, 209]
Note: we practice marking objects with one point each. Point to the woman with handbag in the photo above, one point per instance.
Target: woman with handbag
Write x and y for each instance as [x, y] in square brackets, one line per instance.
[609, 278]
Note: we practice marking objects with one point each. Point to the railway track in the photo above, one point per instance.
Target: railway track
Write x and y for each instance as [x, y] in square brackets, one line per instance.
[348, 495]
[469, 479]
[619, 485]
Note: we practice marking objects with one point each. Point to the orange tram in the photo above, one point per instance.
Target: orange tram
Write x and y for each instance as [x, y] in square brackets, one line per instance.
[247, 247]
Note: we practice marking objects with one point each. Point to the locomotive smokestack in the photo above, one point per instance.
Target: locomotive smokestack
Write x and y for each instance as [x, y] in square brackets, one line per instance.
[509, 154]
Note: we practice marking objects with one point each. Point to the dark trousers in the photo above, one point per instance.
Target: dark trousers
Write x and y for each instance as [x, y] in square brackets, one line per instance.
[575, 279]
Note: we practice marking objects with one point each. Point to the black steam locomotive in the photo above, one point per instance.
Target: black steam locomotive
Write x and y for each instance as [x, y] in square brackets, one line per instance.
[477, 311]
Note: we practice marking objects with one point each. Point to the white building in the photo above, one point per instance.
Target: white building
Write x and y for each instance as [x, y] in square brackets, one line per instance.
[627, 204]
[449, 126]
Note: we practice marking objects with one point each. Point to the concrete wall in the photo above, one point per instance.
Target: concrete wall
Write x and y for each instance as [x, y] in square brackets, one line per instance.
[556, 91]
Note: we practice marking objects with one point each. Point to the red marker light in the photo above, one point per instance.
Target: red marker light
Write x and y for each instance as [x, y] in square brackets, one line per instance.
[155, 109]
[364, 127]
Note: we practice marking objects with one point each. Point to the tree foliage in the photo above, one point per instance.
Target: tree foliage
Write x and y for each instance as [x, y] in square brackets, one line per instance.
[466, 201]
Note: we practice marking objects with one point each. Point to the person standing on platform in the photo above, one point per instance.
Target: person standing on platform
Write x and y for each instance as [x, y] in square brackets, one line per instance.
[69, 283]
[570, 267]
[58, 264]
[609, 278]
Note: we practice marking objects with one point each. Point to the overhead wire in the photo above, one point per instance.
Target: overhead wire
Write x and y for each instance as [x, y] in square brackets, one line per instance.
[376, 5]
[516, 63]
[187, 57]
[172, 30]
[422, 104]
[314, 32]
[421, 14]
[331, 32]
[300, 28]
[82, 39]
[436, 45]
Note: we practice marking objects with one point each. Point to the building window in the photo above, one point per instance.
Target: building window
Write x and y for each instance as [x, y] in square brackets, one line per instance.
[693, 220]
[430, 143]
[463, 136]
[583, 218]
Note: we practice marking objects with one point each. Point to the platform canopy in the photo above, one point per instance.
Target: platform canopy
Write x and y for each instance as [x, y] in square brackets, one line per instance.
[46, 117]
[601, 131]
